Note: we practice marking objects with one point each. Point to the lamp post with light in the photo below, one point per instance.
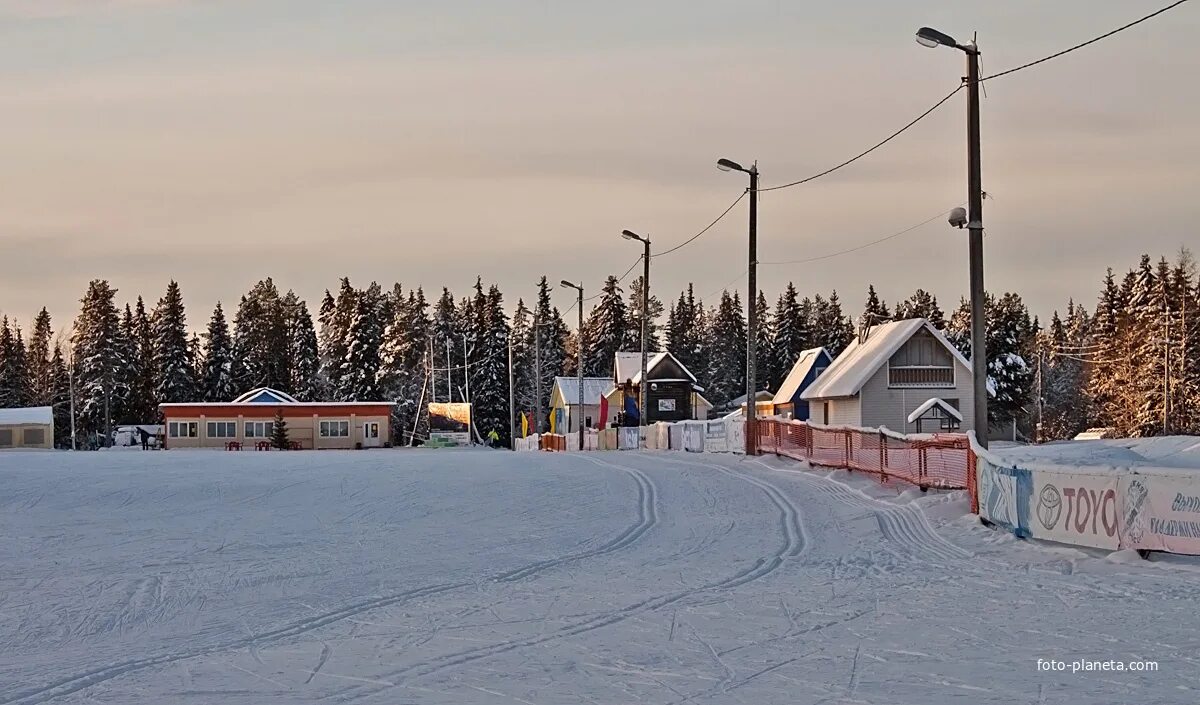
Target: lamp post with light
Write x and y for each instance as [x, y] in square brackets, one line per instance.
[751, 303]
[642, 393]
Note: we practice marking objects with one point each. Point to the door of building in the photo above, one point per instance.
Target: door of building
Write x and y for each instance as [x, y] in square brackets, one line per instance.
[371, 437]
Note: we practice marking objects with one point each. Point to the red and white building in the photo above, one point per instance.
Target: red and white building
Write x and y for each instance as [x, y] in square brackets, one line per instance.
[250, 419]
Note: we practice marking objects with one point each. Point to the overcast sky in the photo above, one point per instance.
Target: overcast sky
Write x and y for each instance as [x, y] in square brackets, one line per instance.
[217, 142]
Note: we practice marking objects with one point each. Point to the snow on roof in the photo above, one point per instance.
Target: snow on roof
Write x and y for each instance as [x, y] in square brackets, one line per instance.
[265, 395]
[593, 389]
[851, 370]
[628, 365]
[800, 370]
[700, 398]
[27, 415]
[946, 408]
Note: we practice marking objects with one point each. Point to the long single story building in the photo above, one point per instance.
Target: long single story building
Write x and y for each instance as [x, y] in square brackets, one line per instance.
[30, 427]
[250, 419]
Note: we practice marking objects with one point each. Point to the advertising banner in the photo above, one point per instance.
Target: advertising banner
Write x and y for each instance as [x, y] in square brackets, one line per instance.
[450, 423]
[714, 437]
[629, 437]
[1077, 509]
[1004, 495]
[1160, 513]
[675, 436]
[693, 437]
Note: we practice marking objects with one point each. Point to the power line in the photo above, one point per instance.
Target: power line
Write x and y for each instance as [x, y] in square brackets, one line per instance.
[855, 158]
[733, 281]
[706, 228]
[621, 278]
[864, 246]
[1106, 35]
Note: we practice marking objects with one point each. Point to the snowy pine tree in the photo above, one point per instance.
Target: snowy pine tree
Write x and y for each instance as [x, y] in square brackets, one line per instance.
[633, 334]
[875, 311]
[38, 363]
[921, 304]
[360, 381]
[305, 367]
[142, 401]
[489, 379]
[260, 340]
[727, 356]
[685, 335]
[14, 378]
[174, 369]
[549, 335]
[792, 334]
[216, 382]
[96, 359]
[61, 399]
[765, 366]
[603, 334]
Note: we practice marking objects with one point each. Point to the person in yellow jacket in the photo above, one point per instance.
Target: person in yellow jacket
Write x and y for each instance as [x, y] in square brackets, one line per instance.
[493, 438]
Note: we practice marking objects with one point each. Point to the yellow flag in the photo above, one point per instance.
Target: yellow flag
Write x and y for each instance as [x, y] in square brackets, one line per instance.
[553, 418]
[524, 425]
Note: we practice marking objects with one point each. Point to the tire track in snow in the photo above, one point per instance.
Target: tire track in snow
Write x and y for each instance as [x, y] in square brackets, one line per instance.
[905, 525]
[794, 545]
[647, 517]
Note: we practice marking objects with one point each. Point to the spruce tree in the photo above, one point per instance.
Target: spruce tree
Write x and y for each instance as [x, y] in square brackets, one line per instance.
[875, 311]
[633, 334]
[96, 358]
[61, 398]
[550, 335]
[144, 403]
[13, 374]
[765, 366]
[684, 331]
[217, 382]
[524, 375]
[305, 367]
[38, 361]
[279, 432]
[361, 373]
[404, 364]
[792, 334]
[603, 334]
[260, 340]
[446, 331]
[727, 361]
[921, 304]
[489, 381]
[174, 370]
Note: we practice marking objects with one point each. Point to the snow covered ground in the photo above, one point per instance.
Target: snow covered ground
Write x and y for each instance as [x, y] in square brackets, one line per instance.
[490, 577]
[1180, 452]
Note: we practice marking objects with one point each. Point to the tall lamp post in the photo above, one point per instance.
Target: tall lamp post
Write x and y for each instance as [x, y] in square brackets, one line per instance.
[642, 394]
[579, 288]
[751, 304]
[932, 38]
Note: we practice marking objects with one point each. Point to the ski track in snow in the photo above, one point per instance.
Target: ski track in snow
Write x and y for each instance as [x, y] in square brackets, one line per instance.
[639, 577]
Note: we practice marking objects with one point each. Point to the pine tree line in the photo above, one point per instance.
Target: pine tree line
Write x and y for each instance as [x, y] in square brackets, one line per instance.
[1122, 365]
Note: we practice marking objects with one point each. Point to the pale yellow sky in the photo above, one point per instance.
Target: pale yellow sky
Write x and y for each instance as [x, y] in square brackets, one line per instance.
[217, 143]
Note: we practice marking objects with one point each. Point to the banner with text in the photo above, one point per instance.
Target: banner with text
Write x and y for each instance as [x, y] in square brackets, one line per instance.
[1078, 509]
[1160, 513]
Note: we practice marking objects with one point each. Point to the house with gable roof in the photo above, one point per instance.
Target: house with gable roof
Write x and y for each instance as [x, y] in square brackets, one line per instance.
[895, 375]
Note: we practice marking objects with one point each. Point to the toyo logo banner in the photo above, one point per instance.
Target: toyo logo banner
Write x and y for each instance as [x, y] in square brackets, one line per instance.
[1076, 509]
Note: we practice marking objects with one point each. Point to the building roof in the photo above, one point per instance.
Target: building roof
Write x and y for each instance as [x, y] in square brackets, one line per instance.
[265, 395]
[27, 415]
[593, 389]
[934, 402]
[858, 362]
[273, 397]
[804, 364]
[700, 398]
[628, 366]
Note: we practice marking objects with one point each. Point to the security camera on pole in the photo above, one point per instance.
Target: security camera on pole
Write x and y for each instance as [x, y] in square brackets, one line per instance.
[973, 221]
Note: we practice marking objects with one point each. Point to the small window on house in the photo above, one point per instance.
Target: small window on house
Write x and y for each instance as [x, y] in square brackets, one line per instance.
[222, 429]
[259, 429]
[193, 429]
[34, 436]
[335, 429]
[825, 412]
[6, 437]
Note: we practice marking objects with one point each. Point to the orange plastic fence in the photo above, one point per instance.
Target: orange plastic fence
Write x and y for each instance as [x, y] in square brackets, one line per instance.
[549, 441]
[941, 461]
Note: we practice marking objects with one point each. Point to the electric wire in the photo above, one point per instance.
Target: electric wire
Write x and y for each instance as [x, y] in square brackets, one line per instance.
[1081, 45]
[708, 227]
[863, 246]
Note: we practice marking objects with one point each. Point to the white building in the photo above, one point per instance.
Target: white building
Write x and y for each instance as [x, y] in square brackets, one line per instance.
[30, 427]
[886, 375]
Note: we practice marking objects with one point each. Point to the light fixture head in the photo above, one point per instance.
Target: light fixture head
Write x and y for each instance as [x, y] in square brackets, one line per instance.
[729, 165]
[568, 285]
[630, 235]
[930, 37]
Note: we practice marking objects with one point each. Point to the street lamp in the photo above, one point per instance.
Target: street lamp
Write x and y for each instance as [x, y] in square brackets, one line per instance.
[579, 288]
[932, 38]
[751, 303]
[642, 393]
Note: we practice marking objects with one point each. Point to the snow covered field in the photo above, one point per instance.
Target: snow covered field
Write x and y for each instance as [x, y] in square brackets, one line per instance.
[491, 577]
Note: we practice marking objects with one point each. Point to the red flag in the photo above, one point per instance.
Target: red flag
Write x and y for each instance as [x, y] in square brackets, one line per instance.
[603, 413]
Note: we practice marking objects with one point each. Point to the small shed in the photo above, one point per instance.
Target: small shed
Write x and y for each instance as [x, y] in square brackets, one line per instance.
[28, 427]
[808, 367]
[564, 402]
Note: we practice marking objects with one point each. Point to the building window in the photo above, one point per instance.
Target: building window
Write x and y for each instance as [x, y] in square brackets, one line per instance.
[34, 436]
[923, 361]
[222, 429]
[335, 429]
[6, 436]
[182, 429]
[259, 429]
